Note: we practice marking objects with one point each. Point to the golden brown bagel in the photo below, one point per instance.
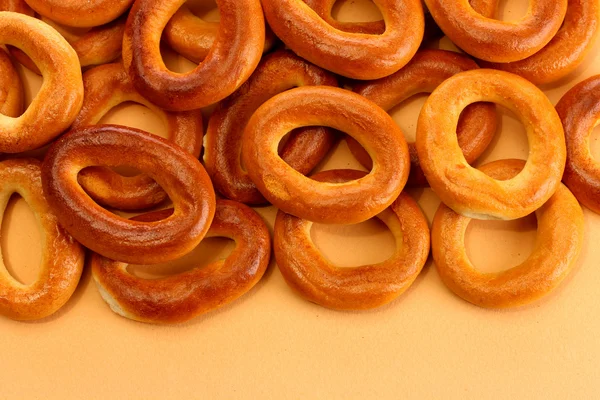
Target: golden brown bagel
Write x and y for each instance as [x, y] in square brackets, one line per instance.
[294, 193]
[468, 191]
[494, 40]
[62, 257]
[186, 295]
[11, 90]
[558, 244]
[427, 70]
[192, 37]
[59, 100]
[566, 51]
[368, 286]
[177, 172]
[105, 87]
[230, 62]
[276, 73]
[579, 110]
[353, 55]
[80, 14]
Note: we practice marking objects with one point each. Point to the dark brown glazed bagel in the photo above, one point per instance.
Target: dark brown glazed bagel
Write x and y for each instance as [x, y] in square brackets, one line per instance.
[230, 62]
[177, 172]
[579, 110]
[276, 73]
[368, 286]
[186, 295]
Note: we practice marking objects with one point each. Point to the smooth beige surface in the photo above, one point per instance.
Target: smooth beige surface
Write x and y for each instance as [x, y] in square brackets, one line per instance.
[271, 344]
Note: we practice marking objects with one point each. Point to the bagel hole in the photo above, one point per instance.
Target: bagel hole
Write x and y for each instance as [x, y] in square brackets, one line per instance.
[510, 242]
[208, 251]
[21, 241]
[595, 142]
[510, 140]
[370, 242]
[204, 9]
[512, 10]
[355, 11]
[175, 62]
[31, 82]
[407, 113]
[339, 157]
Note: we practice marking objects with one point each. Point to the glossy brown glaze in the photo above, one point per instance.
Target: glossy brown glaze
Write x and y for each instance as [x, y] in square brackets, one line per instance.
[80, 14]
[427, 70]
[494, 40]
[318, 280]
[350, 54]
[579, 110]
[106, 87]
[60, 98]
[463, 188]
[276, 73]
[230, 62]
[62, 257]
[566, 51]
[192, 37]
[558, 244]
[186, 295]
[177, 172]
[11, 88]
[294, 193]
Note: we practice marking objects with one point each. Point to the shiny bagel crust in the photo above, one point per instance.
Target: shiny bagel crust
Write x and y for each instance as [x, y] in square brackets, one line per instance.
[294, 193]
[463, 188]
[80, 14]
[304, 149]
[183, 296]
[106, 87]
[177, 172]
[558, 244]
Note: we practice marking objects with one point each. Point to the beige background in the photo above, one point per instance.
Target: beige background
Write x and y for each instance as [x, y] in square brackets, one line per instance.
[272, 344]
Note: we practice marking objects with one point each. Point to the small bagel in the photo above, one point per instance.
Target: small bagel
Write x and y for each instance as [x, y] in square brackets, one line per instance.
[81, 14]
[463, 188]
[499, 41]
[276, 73]
[177, 172]
[353, 55]
[60, 98]
[368, 286]
[62, 257]
[566, 51]
[579, 110]
[186, 295]
[427, 70]
[229, 63]
[106, 87]
[558, 244]
[11, 89]
[192, 37]
[294, 193]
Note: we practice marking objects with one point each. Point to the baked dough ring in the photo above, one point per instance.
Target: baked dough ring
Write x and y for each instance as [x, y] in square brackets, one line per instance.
[558, 244]
[276, 73]
[353, 55]
[368, 286]
[566, 51]
[106, 87]
[59, 100]
[579, 110]
[230, 62]
[179, 174]
[183, 296]
[427, 70]
[81, 13]
[11, 90]
[62, 257]
[494, 40]
[294, 193]
[192, 37]
[471, 192]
